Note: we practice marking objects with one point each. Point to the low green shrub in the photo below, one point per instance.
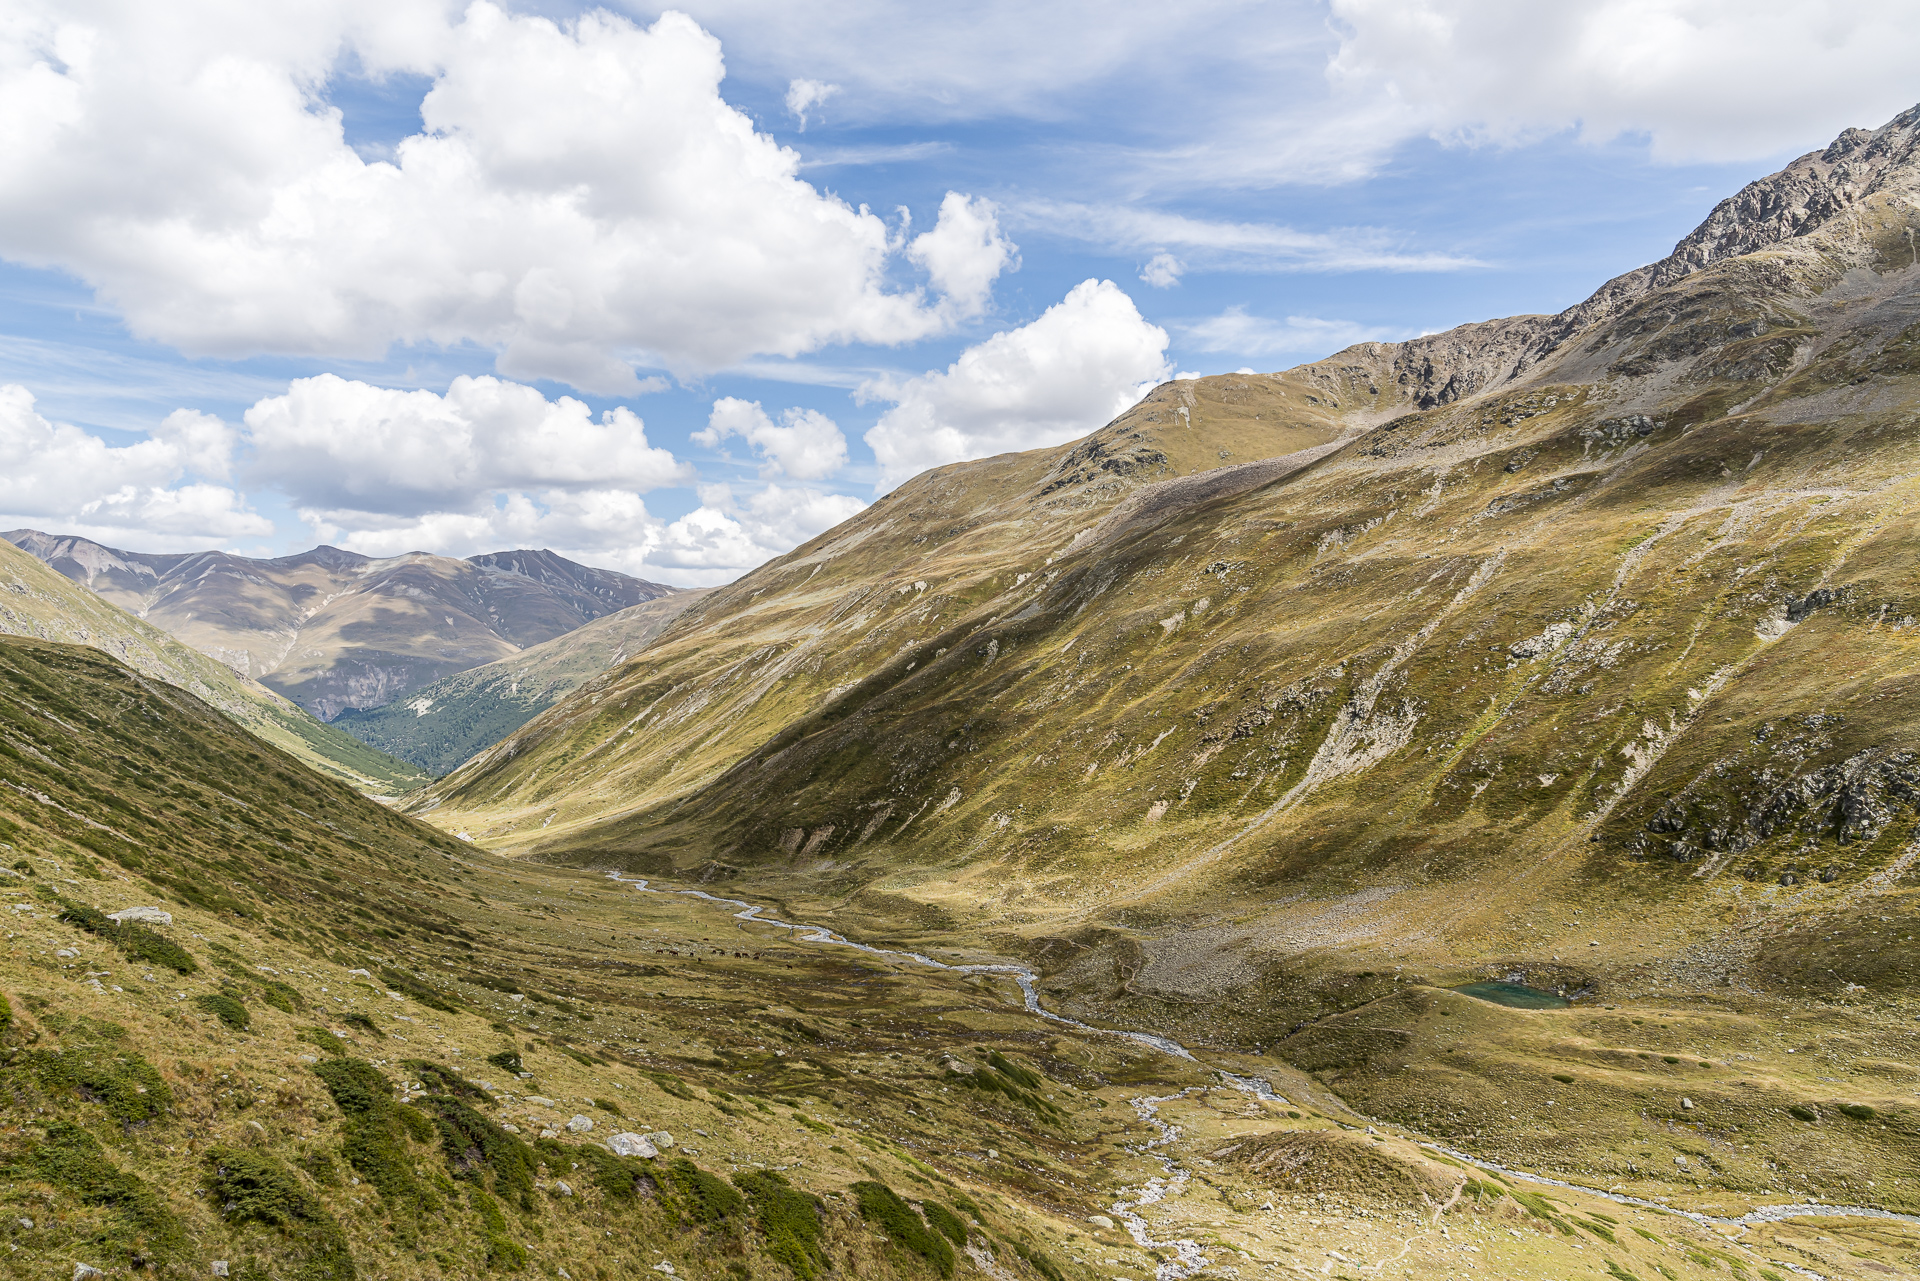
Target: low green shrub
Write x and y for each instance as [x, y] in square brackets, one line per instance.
[508, 1061]
[131, 1090]
[372, 1143]
[1038, 1261]
[224, 1008]
[881, 1206]
[71, 1158]
[434, 999]
[789, 1219]
[255, 1187]
[709, 1200]
[945, 1222]
[475, 1146]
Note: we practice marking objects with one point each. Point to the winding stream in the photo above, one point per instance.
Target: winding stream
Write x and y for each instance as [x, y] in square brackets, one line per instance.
[1189, 1258]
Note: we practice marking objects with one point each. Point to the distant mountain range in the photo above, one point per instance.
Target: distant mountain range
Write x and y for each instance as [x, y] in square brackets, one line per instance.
[440, 726]
[333, 630]
[35, 601]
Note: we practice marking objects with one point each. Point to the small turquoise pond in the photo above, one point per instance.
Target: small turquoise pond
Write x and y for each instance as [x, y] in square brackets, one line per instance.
[1517, 995]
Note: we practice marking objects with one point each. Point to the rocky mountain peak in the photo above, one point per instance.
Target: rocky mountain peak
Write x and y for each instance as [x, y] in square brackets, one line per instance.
[1803, 197]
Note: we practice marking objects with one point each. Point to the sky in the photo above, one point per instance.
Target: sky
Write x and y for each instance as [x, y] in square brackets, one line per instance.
[672, 291]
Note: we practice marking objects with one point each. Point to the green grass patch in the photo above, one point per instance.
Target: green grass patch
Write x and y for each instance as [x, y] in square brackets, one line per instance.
[881, 1206]
[224, 1008]
[126, 1085]
[508, 1061]
[373, 1143]
[708, 1200]
[790, 1221]
[945, 1222]
[254, 1187]
[1038, 1261]
[407, 985]
[71, 1158]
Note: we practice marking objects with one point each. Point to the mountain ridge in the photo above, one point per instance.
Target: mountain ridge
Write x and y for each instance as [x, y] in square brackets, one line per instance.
[333, 629]
[1632, 631]
[37, 601]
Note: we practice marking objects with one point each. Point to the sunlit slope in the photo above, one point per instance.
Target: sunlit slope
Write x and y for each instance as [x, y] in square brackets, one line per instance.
[755, 657]
[37, 601]
[442, 725]
[362, 1049]
[1629, 627]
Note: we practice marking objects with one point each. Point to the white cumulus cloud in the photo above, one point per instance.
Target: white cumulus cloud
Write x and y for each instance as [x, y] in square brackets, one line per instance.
[59, 477]
[804, 95]
[805, 444]
[581, 199]
[1086, 359]
[1702, 79]
[965, 253]
[1162, 271]
[335, 443]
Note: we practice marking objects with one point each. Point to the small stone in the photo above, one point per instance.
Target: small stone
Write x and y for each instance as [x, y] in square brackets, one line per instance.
[660, 1139]
[664, 1266]
[150, 914]
[540, 1101]
[560, 1187]
[219, 1267]
[549, 1134]
[66, 954]
[26, 1224]
[1680, 1161]
[632, 1145]
[580, 1124]
[509, 1127]
[1100, 1221]
[86, 1272]
[1687, 1104]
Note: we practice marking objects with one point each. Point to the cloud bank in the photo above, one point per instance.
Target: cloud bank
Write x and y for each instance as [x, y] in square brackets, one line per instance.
[581, 198]
[1086, 359]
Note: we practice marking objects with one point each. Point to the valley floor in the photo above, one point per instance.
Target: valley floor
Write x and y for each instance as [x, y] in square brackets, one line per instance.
[757, 1051]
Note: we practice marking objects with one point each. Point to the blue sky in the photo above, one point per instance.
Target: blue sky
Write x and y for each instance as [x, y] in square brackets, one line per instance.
[230, 317]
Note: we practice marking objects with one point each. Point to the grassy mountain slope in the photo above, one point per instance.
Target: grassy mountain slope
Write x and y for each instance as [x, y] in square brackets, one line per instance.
[1599, 670]
[363, 1049]
[442, 725]
[37, 601]
[331, 629]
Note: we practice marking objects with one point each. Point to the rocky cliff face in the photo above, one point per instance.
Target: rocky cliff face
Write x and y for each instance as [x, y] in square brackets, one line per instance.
[1827, 191]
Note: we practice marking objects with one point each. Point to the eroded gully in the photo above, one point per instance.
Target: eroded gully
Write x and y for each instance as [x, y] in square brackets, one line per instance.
[1188, 1257]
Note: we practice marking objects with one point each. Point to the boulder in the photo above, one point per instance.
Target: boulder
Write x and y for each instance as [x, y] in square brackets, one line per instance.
[660, 1139]
[151, 915]
[632, 1145]
[580, 1124]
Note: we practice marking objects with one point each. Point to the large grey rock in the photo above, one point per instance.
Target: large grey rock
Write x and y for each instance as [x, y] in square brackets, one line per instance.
[632, 1145]
[150, 914]
[580, 1124]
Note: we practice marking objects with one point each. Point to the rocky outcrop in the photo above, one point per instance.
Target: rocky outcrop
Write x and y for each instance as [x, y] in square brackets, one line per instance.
[1817, 190]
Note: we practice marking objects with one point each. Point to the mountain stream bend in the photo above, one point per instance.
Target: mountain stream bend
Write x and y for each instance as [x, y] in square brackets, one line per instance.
[1189, 1258]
